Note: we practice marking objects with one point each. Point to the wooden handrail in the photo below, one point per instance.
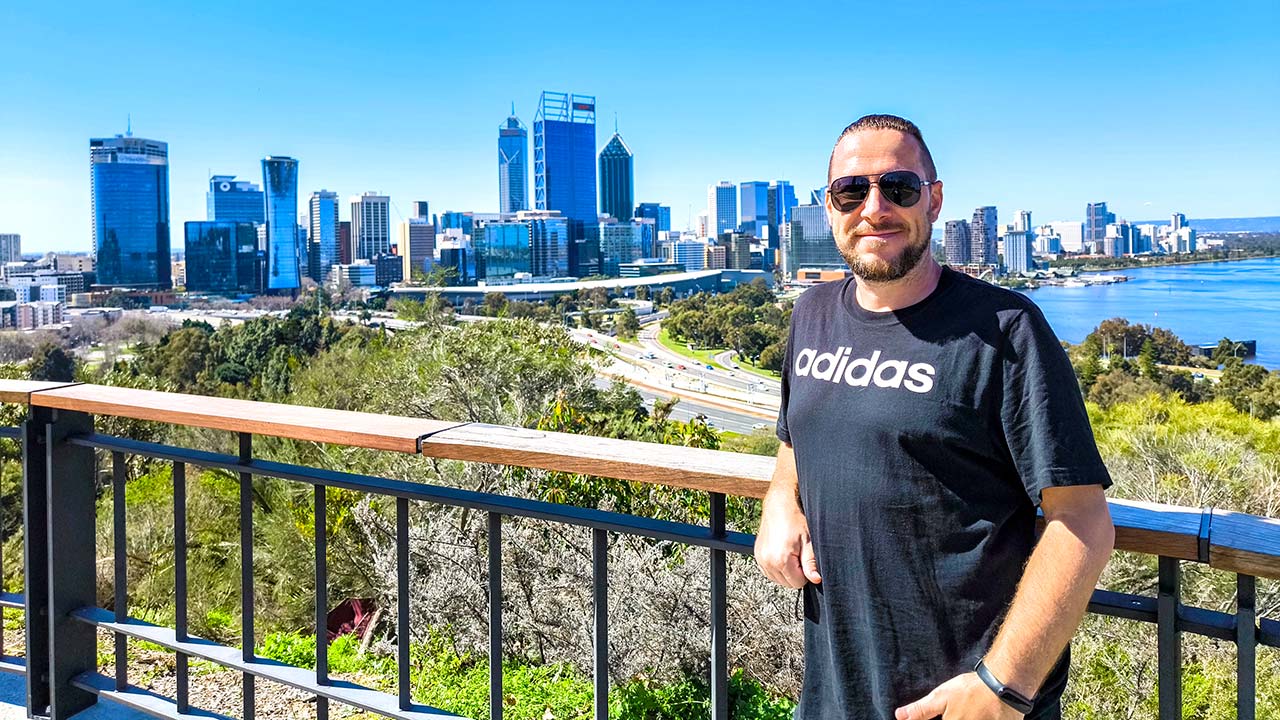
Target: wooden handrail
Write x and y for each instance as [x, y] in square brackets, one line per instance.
[1237, 542]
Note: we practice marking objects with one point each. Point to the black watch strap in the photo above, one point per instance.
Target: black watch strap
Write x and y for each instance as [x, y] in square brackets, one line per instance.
[1007, 695]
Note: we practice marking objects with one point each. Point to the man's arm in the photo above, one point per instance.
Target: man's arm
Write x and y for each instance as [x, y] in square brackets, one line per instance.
[783, 549]
[1052, 598]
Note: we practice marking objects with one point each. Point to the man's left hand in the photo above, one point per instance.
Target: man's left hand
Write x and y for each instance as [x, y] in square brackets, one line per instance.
[964, 697]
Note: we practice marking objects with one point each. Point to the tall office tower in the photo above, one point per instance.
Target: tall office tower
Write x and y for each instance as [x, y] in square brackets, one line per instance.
[722, 208]
[691, 254]
[956, 241]
[564, 172]
[513, 167]
[753, 210]
[982, 237]
[222, 257]
[324, 252]
[10, 247]
[421, 209]
[621, 242]
[130, 197]
[1024, 221]
[1178, 222]
[782, 197]
[617, 180]
[505, 249]
[808, 242]
[737, 250]
[284, 252]
[1017, 251]
[231, 200]
[1096, 220]
[344, 242]
[818, 196]
[416, 240]
[549, 243]
[660, 214]
[370, 225]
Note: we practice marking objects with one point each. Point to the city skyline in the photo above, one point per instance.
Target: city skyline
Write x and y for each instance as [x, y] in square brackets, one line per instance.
[1206, 109]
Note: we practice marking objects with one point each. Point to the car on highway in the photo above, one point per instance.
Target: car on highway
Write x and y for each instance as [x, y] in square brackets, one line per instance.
[680, 367]
[709, 366]
[761, 426]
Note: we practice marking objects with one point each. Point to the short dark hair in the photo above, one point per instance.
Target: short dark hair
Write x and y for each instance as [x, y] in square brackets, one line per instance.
[887, 122]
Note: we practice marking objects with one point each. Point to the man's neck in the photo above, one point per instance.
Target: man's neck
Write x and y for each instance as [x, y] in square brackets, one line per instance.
[903, 292]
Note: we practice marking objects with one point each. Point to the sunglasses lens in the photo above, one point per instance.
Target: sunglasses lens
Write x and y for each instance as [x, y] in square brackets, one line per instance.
[847, 193]
[901, 187]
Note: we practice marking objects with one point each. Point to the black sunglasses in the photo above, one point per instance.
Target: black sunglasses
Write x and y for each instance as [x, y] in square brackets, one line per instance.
[900, 187]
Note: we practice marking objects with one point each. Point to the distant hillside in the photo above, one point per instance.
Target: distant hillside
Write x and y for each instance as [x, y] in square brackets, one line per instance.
[1217, 225]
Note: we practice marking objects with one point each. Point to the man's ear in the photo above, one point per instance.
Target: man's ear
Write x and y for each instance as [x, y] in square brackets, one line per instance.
[935, 201]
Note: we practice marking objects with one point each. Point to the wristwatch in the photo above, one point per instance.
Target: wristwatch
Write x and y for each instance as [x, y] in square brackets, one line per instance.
[1007, 695]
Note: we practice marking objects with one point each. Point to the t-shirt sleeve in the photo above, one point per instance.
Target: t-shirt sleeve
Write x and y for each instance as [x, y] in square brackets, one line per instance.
[781, 429]
[1042, 411]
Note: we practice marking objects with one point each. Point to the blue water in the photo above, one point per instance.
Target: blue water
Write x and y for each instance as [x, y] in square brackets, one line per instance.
[1199, 303]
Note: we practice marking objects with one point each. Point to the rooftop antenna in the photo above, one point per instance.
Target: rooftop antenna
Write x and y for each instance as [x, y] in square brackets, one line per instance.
[128, 132]
[513, 108]
[615, 123]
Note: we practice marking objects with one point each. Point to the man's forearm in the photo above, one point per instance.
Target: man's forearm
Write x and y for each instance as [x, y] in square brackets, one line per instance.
[1051, 600]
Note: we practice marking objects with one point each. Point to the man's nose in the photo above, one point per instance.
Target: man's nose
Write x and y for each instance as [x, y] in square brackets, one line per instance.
[875, 206]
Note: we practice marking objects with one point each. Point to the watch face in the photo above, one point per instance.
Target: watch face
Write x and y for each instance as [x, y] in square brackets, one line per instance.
[1015, 701]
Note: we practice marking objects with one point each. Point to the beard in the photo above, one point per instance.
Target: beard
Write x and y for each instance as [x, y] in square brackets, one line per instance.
[881, 271]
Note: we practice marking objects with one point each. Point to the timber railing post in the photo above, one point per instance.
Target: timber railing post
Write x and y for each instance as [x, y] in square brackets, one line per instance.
[71, 554]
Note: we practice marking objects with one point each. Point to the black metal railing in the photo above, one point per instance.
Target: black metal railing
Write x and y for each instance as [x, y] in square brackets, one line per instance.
[60, 454]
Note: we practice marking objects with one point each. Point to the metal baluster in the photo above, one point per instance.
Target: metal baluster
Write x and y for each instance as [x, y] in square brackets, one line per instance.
[180, 581]
[1246, 647]
[246, 570]
[495, 616]
[600, 597]
[402, 580]
[121, 577]
[719, 616]
[1170, 641]
[322, 600]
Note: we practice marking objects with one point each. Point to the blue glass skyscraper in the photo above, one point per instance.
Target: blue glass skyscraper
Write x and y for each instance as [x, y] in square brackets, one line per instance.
[130, 196]
[221, 257]
[513, 171]
[231, 200]
[617, 179]
[564, 171]
[284, 253]
[660, 214]
[754, 207]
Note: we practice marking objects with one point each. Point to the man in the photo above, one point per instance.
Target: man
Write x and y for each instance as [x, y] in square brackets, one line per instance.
[925, 415]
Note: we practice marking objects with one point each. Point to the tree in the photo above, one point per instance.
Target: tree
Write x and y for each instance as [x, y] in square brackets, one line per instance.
[1147, 361]
[772, 357]
[51, 362]
[1239, 381]
[642, 292]
[626, 324]
[494, 303]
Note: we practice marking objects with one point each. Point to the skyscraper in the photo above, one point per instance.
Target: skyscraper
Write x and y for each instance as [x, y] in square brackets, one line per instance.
[564, 156]
[722, 207]
[754, 207]
[513, 171]
[10, 247]
[231, 200]
[324, 234]
[621, 242]
[660, 214]
[782, 197]
[1017, 251]
[284, 252]
[417, 244]
[807, 241]
[370, 225]
[982, 237]
[422, 209]
[221, 256]
[956, 242]
[617, 179]
[130, 197]
[1096, 220]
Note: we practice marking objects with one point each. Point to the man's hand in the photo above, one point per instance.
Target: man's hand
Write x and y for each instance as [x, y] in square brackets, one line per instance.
[783, 549]
[964, 697]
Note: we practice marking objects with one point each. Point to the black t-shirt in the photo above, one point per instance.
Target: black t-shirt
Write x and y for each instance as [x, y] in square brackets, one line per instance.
[923, 438]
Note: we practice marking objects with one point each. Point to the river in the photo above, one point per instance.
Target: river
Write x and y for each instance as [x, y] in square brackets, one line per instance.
[1200, 303]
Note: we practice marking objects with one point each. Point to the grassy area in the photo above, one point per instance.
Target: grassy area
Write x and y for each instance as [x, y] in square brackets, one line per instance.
[704, 357]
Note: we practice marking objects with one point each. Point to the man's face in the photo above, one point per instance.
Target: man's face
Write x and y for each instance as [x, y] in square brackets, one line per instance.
[881, 241]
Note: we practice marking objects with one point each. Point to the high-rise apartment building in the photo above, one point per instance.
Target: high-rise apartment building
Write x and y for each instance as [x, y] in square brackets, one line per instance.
[130, 197]
[1024, 221]
[1178, 222]
[722, 208]
[284, 251]
[370, 226]
[807, 241]
[753, 208]
[1017, 251]
[1096, 220]
[956, 242]
[513, 166]
[660, 214]
[324, 224]
[982, 237]
[231, 200]
[10, 247]
[617, 180]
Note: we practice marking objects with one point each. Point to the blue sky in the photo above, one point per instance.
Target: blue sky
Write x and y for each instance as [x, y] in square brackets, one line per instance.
[1152, 107]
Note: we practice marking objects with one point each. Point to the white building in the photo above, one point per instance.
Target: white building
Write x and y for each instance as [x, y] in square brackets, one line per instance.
[689, 253]
[370, 226]
[1070, 234]
[722, 208]
[360, 273]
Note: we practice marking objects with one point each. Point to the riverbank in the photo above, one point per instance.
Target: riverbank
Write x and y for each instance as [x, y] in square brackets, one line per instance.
[1141, 265]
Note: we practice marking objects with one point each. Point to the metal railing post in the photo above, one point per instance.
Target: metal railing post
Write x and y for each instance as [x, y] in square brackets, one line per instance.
[70, 553]
[719, 616]
[1246, 647]
[35, 530]
[1169, 648]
